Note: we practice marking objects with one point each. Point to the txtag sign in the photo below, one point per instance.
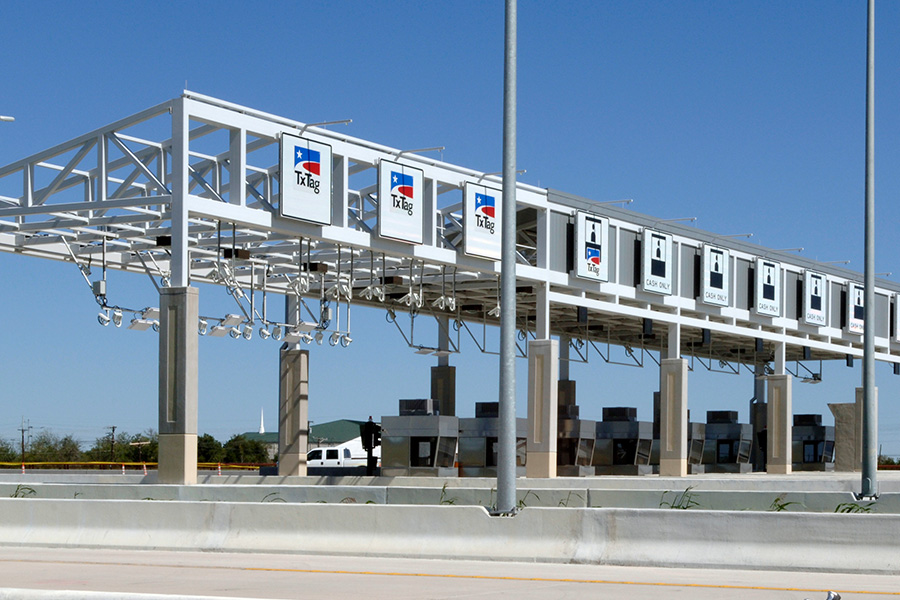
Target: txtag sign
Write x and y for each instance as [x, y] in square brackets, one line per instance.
[305, 180]
[656, 275]
[400, 202]
[815, 299]
[716, 276]
[768, 288]
[481, 221]
[591, 246]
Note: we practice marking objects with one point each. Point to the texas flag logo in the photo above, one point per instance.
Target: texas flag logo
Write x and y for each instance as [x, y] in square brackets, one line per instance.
[307, 160]
[592, 254]
[401, 184]
[484, 205]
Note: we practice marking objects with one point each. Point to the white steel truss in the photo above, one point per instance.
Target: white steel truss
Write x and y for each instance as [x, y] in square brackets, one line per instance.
[189, 191]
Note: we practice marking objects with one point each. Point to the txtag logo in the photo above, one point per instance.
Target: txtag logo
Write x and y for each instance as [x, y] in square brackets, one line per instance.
[484, 212]
[307, 167]
[402, 192]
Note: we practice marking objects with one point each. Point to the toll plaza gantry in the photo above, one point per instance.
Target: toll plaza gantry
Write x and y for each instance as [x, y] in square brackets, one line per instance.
[329, 221]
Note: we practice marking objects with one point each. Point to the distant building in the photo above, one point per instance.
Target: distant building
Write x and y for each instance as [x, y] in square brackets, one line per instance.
[333, 433]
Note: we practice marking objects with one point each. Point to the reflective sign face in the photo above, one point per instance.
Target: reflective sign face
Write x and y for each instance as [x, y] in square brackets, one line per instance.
[856, 312]
[815, 306]
[656, 275]
[768, 288]
[591, 247]
[305, 180]
[400, 202]
[716, 276]
[481, 221]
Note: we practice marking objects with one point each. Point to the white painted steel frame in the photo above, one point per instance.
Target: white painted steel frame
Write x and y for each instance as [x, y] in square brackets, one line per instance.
[158, 188]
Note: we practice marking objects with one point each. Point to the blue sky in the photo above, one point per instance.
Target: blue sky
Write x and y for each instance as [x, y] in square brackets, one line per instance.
[746, 115]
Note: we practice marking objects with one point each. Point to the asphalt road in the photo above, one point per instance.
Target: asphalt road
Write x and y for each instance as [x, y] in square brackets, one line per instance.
[303, 576]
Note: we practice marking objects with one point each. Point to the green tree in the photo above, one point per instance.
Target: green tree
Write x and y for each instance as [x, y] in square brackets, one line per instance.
[209, 449]
[8, 452]
[241, 450]
[49, 447]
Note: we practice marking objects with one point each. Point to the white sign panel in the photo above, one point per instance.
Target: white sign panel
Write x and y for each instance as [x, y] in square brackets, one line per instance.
[656, 276]
[400, 202]
[716, 276]
[591, 246]
[815, 299]
[768, 288]
[897, 318]
[305, 179]
[856, 308]
[481, 221]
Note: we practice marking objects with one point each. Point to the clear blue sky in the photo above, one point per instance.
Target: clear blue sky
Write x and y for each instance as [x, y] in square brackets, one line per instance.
[747, 115]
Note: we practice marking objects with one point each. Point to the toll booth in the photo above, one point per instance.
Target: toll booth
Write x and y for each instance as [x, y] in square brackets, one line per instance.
[622, 443]
[727, 446]
[575, 444]
[812, 444]
[478, 442]
[419, 442]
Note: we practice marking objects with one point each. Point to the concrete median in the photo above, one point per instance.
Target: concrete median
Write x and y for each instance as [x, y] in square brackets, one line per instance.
[677, 538]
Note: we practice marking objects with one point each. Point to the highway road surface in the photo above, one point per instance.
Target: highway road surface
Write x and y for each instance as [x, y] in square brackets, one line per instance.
[235, 575]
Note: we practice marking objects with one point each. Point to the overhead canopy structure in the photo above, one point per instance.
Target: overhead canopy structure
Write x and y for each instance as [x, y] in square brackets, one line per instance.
[154, 193]
[200, 190]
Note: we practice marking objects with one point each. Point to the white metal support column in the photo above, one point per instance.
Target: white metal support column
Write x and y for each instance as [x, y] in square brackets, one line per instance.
[443, 376]
[178, 344]
[340, 182]
[778, 416]
[237, 167]
[673, 444]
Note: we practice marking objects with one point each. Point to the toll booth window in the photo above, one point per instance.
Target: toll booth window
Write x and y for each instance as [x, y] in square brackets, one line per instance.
[828, 452]
[585, 452]
[624, 452]
[521, 451]
[491, 458]
[315, 455]
[696, 452]
[446, 452]
[331, 454]
[725, 451]
[810, 452]
[421, 452]
[642, 456]
[743, 453]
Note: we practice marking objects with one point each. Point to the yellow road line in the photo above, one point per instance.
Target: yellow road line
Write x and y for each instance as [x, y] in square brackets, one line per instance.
[455, 576]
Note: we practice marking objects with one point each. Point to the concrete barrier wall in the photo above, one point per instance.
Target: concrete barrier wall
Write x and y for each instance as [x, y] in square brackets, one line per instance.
[763, 540]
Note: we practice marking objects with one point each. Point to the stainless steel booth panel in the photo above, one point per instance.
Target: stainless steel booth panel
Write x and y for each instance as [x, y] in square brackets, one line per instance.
[727, 447]
[575, 447]
[623, 448]
[812, 448]
[419, 445]
[477, 454]
[696, 445]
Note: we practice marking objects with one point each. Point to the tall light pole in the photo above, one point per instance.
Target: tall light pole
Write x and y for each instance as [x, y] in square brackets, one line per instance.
[506, 459]
[870, 404]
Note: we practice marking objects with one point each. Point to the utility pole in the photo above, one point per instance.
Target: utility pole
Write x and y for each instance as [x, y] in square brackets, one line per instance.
[112, 442]
[25, 429]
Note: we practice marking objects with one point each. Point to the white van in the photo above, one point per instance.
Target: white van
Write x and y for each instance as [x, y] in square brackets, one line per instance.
[348, 454]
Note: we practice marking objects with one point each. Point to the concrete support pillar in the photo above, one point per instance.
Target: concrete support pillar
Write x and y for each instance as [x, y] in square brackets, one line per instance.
[178, 385]
[673, 446]
[778, 424]
[443, 389]
[543, 370]
[293, 412]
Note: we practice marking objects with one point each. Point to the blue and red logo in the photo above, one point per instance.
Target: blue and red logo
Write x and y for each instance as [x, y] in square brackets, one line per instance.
[308, 160]
[484, 205]
[592, 254]
[401, 184]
